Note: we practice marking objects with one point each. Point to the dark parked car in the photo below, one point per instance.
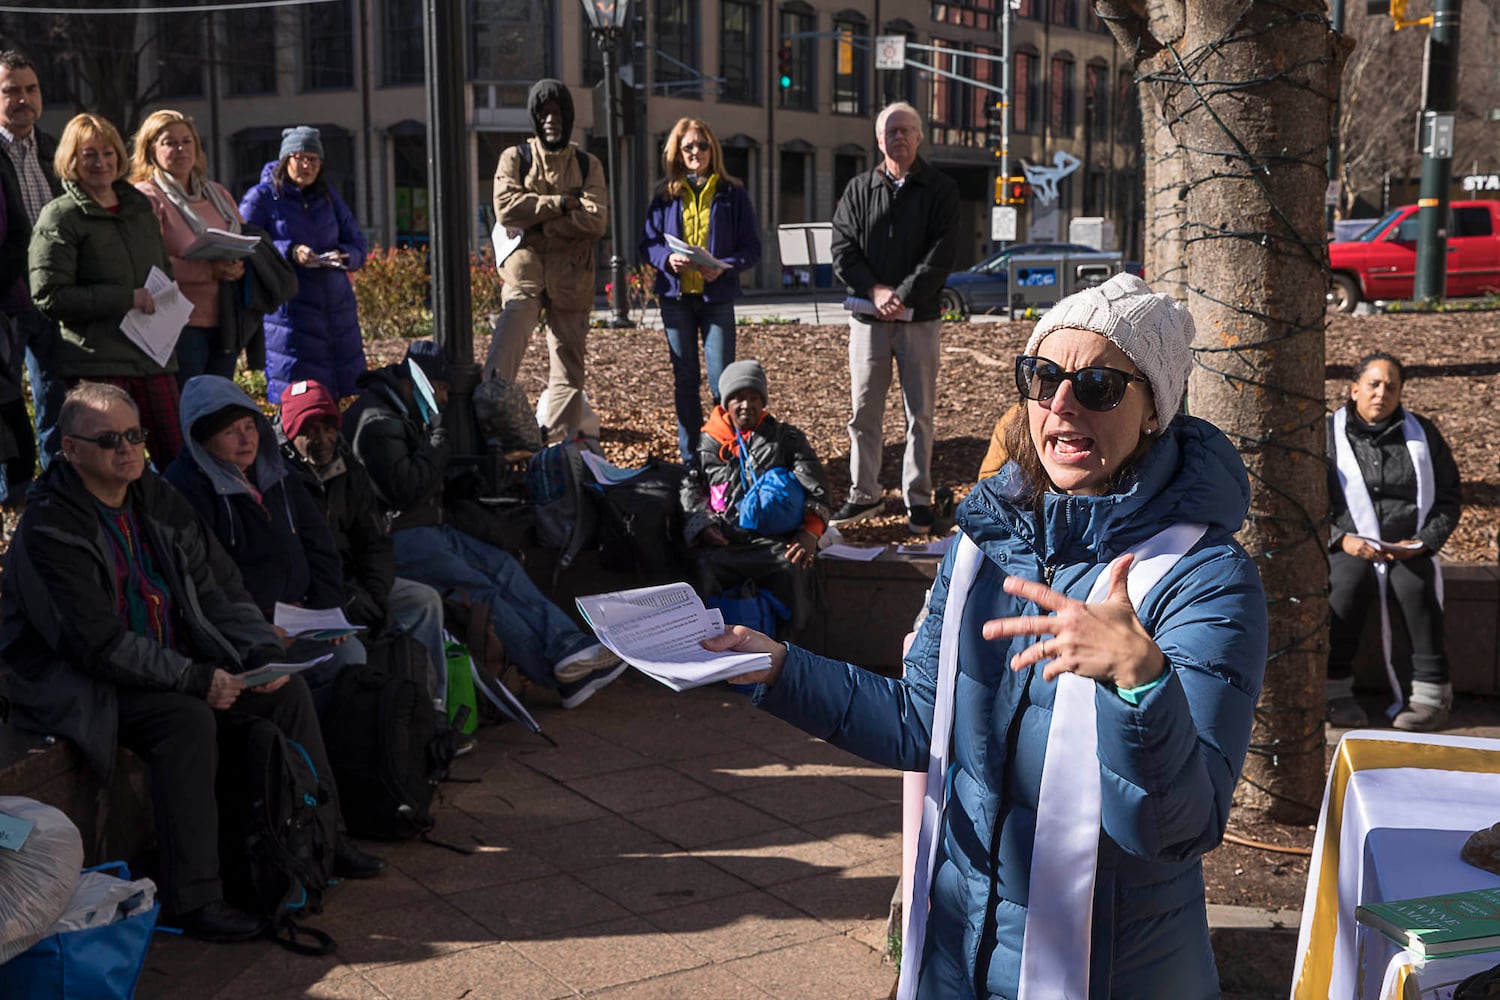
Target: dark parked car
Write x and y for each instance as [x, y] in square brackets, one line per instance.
[983, 287]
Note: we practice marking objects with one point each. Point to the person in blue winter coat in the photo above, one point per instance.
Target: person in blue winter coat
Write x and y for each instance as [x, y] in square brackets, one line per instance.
[700, 204]
[315, 335]
[1101, 465]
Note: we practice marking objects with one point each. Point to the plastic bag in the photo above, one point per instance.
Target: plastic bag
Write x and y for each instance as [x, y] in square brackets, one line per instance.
[38, 879]
[101, 899]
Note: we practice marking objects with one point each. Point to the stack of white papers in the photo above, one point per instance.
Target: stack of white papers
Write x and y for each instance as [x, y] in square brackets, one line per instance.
[697, 255]
[156, 334]
[1379, 546]
[271, 671]
[838, 550]
[312, 623]
[219, 244]
[660, 630]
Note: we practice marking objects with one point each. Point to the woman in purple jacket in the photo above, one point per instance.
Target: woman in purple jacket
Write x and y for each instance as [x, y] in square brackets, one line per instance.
[703, 207]
[315, 335]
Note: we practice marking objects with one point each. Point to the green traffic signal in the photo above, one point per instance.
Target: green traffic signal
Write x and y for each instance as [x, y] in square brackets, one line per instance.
[786, 82]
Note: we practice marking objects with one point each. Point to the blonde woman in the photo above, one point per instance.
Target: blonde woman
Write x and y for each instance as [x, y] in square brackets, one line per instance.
[700, 204]
[91, 251]
[170, 169]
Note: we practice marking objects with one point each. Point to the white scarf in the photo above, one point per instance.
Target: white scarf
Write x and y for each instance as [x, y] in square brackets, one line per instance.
[1057, 940]
[182, 201]
[1367, 524]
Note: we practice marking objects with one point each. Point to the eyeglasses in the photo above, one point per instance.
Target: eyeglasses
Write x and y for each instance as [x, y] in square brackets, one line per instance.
[1098, 388]
[110, 440]
[306, 157]
[166, 143]
[696, 147]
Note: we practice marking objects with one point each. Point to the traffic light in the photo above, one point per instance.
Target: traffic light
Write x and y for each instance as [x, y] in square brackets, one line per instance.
[994, 126]
[1011, 190]
[784, 65]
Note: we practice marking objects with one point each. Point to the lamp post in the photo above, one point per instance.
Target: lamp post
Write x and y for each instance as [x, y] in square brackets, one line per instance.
[607, 23]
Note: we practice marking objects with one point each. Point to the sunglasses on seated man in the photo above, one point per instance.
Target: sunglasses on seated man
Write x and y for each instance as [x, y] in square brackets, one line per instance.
[1098, 388]
[110, 440]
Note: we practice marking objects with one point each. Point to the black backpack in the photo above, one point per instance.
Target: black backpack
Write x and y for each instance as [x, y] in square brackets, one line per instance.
[565, 514]
[385, 741]
[640, 521]
[278, 830]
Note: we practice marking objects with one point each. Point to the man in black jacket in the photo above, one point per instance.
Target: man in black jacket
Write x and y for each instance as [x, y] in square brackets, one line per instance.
[122, 622]
[893, 248]
[395, 430]
[26, 154]
[375, 597]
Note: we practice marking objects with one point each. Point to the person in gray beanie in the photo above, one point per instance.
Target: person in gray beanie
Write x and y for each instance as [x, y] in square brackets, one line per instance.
[1095, 594]
[760, 506]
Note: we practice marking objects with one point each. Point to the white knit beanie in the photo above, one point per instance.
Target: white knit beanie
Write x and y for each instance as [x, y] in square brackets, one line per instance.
[1155, 333]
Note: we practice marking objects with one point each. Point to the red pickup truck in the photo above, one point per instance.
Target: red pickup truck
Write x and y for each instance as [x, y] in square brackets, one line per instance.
[1381, 263]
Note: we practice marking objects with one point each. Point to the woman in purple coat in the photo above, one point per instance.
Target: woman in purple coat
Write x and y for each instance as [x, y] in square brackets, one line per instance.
[316, 334]
[701, 205]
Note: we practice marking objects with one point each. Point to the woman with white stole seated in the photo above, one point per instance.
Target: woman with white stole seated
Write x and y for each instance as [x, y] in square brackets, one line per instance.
[1085, 679]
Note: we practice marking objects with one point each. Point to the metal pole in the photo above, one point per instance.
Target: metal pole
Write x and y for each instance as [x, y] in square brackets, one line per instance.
[448, 250]
[609, 39]
[1007, 81]
[1440, 101]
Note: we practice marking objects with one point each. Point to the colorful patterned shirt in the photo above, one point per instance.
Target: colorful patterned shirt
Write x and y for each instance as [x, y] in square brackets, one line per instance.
[144, 603]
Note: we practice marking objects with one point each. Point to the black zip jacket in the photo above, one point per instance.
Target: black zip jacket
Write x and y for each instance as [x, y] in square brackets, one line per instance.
[901, 238]
[1390, 478]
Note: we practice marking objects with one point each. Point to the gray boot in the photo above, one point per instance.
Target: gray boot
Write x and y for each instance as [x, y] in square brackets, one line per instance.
[1343, 711]
[1428, 710]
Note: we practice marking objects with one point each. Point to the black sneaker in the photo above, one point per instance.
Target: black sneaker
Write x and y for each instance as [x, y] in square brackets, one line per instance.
[919, 520]
[853, 512]
[577, 692]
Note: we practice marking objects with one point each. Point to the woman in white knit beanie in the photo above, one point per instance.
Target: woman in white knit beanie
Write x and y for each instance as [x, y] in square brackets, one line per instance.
[1084, 681]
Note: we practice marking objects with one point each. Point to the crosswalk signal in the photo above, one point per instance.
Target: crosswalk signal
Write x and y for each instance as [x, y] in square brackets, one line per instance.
[1011, 190]
[784, 65]
[994, 126]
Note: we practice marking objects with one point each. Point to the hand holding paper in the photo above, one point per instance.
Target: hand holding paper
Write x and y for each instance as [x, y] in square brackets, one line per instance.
[699, 256]
[312, 623]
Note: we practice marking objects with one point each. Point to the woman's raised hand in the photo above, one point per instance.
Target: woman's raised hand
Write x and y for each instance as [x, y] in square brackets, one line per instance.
[1104, 641]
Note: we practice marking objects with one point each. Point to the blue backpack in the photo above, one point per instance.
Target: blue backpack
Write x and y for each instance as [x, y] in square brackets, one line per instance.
[773, 501]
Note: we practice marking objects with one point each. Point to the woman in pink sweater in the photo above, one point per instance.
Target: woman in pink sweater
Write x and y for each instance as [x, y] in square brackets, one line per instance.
[168, 165]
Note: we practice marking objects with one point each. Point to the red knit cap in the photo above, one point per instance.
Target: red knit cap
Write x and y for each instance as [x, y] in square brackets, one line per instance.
[303, 401]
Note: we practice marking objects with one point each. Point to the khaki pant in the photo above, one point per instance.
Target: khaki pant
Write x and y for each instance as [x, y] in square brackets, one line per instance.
[567, 338]
[915, 347]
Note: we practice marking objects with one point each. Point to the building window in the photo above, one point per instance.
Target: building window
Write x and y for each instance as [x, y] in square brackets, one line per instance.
[1095, 100]
[1028, 8]
[798, 22]
[967, 13]
[1062, 97]
[1063, 12]
[512, 43]
[402, 49]
[1128, 108]
[851, 66]
[179, 46]
[675, 36]
[739, 47]
[1093, 21]
[1023, 93]
[250, 57]
[327, 46]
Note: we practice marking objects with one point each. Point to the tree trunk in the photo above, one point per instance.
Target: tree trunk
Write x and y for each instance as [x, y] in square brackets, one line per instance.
[1237, 119]
[1249, 103]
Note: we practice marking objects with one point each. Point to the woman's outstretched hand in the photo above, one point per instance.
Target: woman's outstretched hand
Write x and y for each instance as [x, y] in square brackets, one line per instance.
[1104, 641]
[739, 639]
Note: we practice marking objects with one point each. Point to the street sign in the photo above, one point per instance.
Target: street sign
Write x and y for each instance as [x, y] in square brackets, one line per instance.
[1331, 194]
[1002, 224]
[890, 51]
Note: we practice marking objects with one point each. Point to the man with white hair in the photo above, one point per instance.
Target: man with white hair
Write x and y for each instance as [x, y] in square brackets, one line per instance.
[893, 246]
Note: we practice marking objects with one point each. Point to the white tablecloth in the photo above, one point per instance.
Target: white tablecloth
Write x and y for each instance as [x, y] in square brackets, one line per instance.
[1395, 812]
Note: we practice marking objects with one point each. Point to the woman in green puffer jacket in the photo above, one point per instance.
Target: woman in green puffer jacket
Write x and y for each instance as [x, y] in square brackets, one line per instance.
[92, 249]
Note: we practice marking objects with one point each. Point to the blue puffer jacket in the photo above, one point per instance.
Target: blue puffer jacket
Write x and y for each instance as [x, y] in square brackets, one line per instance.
[316, 334]
[1168, 765]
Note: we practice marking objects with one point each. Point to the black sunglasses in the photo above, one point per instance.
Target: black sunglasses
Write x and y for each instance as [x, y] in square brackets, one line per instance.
[110, 440]
[1098, 388]
[696, 147]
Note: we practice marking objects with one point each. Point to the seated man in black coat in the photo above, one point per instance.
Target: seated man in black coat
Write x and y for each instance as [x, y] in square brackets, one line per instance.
[122, 622]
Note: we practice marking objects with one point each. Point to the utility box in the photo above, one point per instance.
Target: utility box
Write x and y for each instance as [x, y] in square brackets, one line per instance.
[1037, 281]
[1093, 231]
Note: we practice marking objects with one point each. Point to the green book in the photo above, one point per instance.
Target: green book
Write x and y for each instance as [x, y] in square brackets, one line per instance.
[1456, 923]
